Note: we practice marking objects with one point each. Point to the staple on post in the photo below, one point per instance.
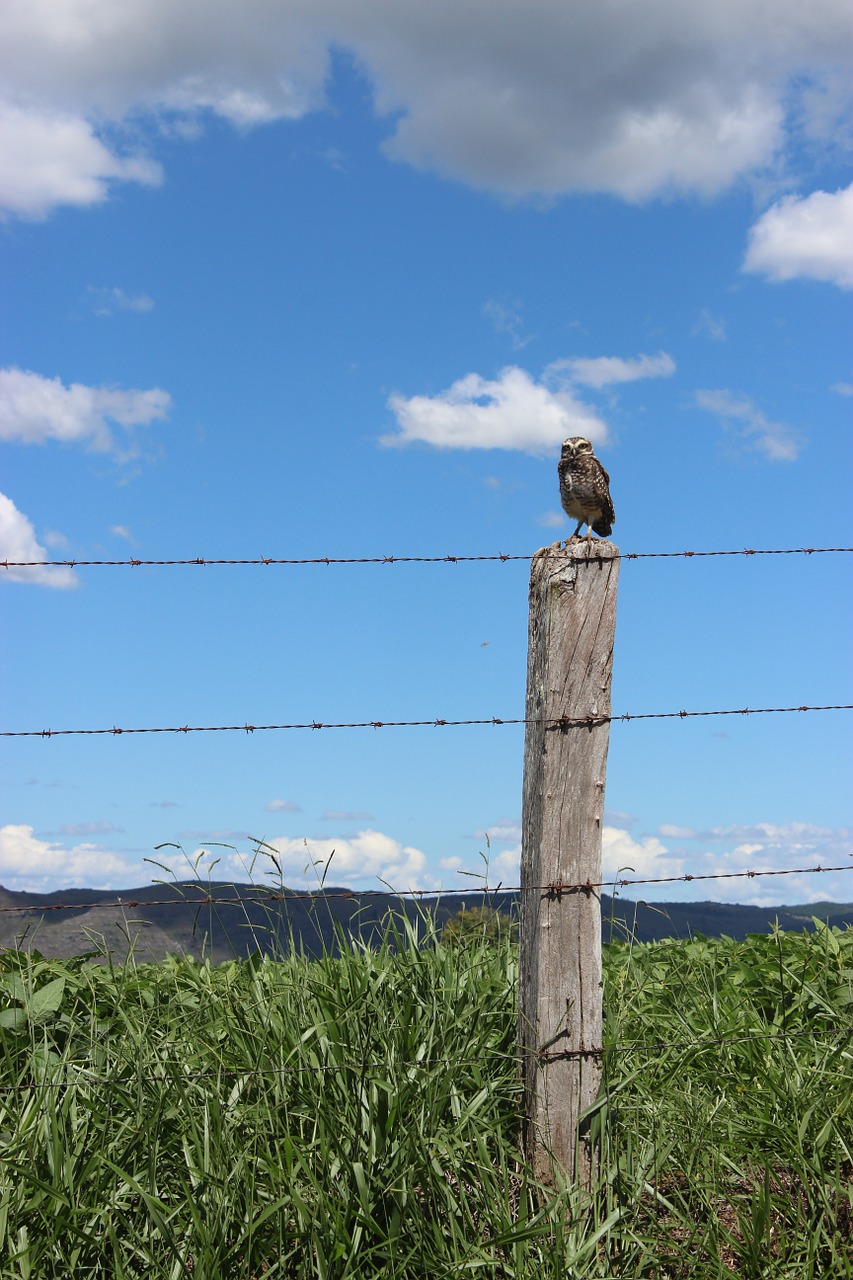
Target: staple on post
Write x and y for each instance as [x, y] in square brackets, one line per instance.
[572, 623]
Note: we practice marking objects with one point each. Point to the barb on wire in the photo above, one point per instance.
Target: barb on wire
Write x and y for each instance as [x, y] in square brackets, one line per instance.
[555, 889]
[600, 1051]
[82, 1079]
[499, 557]
[553, 722]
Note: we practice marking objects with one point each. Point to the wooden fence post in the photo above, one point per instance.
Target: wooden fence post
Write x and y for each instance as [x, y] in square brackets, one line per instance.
[569, 666]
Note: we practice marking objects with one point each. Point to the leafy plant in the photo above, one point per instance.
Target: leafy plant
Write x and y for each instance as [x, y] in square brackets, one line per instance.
[357, 1116]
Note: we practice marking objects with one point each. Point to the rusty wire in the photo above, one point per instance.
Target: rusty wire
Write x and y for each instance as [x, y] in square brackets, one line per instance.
[500, 557]
[544, 1056]
[553, 890]
[555, 722]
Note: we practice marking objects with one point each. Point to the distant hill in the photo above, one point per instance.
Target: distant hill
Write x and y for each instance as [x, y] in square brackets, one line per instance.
[157, 919]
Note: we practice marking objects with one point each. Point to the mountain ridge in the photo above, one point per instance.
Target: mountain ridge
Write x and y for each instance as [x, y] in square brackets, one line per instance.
[154, 920]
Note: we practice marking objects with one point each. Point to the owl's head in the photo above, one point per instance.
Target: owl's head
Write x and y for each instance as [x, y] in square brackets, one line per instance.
[575, 446]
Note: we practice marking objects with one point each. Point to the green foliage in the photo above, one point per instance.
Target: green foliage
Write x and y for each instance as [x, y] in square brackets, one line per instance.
[357, 1116]
[475, 925]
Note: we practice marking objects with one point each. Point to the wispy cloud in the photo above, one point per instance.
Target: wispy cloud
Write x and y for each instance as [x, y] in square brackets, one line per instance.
[776, 440]
[605, 371]
[88, 828]
[713, 327]
[508, 319]
[106, 302]
[282, 806]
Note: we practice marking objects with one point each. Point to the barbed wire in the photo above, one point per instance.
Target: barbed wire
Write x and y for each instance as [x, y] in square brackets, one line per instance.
[554, 889]
[544, 1056]
[556, 722]
[500, 557]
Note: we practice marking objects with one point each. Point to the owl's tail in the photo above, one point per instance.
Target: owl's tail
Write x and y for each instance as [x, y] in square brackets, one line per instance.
[602, 527]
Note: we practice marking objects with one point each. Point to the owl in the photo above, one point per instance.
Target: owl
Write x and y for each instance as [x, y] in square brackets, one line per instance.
[584, 488]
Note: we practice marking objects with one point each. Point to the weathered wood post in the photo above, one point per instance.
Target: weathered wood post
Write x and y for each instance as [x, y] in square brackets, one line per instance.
[569, 666]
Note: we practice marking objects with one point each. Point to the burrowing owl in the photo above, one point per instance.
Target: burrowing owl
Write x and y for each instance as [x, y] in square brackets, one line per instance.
[584, 488]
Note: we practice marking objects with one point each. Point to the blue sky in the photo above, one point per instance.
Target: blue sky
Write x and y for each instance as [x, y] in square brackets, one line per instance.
[337, 279]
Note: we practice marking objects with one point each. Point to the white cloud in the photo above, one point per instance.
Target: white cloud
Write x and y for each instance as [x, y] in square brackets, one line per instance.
[354, 861]
[122, 531]
[622, 855]
[810, 236]
[551, 520]
[604, 371]
[793, 838]
[508, 412]
[760, 846]
[50, 158]
[775, 440]
[504, 831]
[39, 865]
[18, 542]
[34, 409]
[282, 806]
[504, 867]
[522, 98]
[842, 388]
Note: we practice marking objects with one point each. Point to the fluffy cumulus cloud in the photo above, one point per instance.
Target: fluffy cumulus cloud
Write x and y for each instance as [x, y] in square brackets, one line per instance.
[636, 859]
[49, 158]
[520, 98]
[18, 542]
[368, 859]
[34, 409]
[809, 237]
[41, 865]
[775, 440]
[516, 411]
[511, 411]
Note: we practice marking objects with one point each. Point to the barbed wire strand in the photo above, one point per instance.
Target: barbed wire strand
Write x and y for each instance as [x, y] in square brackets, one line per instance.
[554, 889]
[561, 722]
[597, 1051]
[588, 555]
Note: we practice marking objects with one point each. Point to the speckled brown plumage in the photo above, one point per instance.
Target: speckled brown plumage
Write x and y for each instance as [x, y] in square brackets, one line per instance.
[585, 488]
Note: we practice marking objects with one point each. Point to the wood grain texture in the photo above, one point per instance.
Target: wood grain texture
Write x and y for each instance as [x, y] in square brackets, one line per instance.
[572, 624]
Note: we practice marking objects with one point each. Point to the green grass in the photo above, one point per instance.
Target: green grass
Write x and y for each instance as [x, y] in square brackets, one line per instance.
[358, 1117]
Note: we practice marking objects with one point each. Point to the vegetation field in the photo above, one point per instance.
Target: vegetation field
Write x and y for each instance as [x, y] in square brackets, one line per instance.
[357, 1116]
